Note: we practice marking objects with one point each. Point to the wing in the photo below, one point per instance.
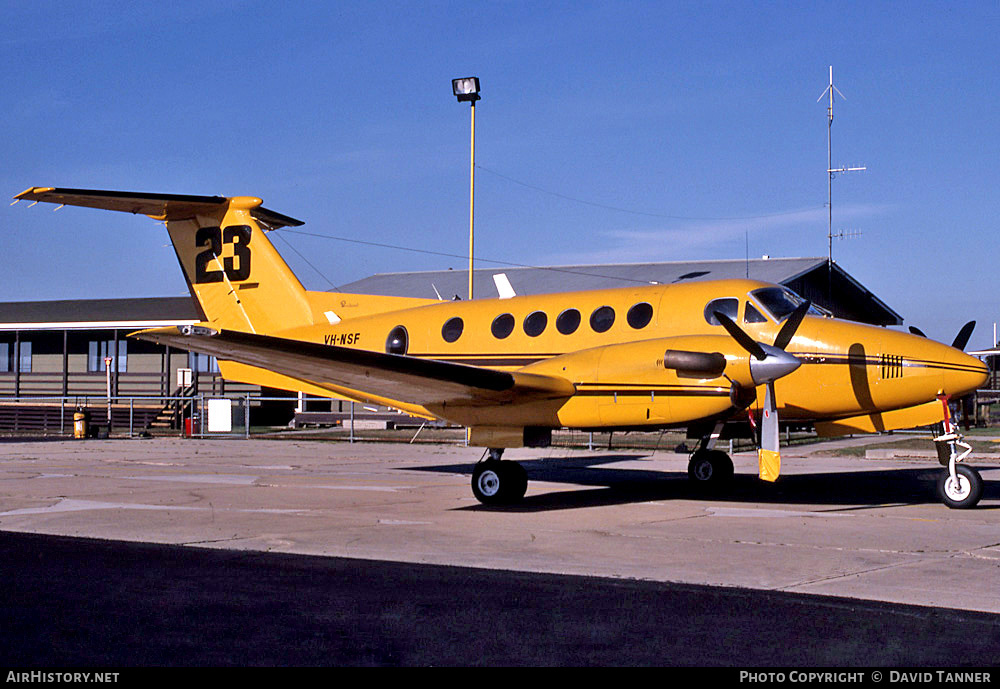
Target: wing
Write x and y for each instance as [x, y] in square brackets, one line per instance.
[407, 379]
[159, 206]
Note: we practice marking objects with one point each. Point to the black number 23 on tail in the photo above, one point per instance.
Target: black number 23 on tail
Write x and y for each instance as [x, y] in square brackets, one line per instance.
[237, 266]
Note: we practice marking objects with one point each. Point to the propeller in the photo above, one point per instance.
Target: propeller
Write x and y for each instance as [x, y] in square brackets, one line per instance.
[968, 402]
[960, 342]
[767, 364]
[961, 339]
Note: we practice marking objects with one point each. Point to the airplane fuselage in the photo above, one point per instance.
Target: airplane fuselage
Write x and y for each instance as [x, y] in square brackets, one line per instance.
[610, 344]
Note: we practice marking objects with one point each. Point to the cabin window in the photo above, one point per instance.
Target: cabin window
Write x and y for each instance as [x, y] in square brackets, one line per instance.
[398, 341]
[452, 329]
[639, 315]
[503, 325]
[727, 307]
[752, 315]
[535, 323]
[568, 321]
[602, 319]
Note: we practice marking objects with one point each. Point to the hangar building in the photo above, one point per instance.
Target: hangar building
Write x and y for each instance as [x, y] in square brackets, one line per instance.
[833, 289]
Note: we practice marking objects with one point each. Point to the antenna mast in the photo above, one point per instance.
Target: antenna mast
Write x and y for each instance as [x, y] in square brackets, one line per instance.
[831, 171]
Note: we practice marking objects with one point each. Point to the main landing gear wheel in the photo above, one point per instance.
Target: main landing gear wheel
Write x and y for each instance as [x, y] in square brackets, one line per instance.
[496, 482]
[710, 468]
[963, 491]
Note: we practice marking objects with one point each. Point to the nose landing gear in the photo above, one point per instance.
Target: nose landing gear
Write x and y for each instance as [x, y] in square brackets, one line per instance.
[961, 486]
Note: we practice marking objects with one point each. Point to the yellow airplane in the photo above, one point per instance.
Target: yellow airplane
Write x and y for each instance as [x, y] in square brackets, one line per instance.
[698, 355]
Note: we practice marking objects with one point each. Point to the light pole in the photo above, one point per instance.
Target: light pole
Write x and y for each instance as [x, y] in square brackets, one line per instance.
[467, 89]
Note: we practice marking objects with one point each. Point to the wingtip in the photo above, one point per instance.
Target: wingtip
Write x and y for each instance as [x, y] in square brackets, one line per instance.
[30, 191]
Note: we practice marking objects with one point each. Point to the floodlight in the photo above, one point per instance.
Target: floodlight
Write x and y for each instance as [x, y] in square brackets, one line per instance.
[466, 89]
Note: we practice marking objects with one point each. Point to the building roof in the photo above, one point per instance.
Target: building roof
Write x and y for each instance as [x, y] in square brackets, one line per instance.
[544, 280]
[807, 276]
[78, 314]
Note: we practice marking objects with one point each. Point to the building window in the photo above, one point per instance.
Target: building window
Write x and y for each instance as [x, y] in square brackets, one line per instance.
[5, 357]
[25, 356]
[202, 363]
[97, 351]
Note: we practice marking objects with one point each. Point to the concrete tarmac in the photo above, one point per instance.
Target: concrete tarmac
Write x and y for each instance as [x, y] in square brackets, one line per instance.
[843, 527]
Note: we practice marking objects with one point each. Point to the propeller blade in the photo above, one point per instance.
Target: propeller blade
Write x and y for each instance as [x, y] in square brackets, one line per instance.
[963, 336]
[792, 323]
[917, 331]
[769, 455]
[740, 335]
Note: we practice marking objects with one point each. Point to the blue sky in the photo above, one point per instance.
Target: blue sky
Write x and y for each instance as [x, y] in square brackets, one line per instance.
[608, 131]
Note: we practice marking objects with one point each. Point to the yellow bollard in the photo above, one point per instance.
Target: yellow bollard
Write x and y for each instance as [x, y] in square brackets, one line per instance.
[80, 424]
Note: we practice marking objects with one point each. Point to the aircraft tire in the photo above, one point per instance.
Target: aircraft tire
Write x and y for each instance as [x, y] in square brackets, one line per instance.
[710, 468]
[963, 494]
[518, 481]
[497, 482]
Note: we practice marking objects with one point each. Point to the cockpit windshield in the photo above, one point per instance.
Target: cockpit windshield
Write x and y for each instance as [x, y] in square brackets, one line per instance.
[781, 301]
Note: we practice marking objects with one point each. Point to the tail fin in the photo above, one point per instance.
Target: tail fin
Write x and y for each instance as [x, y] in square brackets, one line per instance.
[235, 273]
[238, 278]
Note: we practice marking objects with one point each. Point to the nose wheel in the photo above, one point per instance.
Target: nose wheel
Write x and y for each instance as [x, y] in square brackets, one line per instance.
[961, 490]
[499, 482]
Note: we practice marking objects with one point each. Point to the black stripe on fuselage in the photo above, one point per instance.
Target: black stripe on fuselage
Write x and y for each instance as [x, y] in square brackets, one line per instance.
[525, 359]
[842, 359]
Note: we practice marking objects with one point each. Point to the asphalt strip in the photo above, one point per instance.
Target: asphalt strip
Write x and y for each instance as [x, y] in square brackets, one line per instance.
[96, 603]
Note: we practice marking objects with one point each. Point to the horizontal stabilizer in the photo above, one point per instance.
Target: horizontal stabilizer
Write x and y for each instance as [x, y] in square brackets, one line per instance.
[404, 378]
[159, 206]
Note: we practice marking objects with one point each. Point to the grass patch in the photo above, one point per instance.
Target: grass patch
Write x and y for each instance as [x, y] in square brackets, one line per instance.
[979, 447]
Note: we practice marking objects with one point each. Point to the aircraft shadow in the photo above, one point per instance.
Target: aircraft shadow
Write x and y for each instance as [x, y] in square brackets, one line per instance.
[616, 486]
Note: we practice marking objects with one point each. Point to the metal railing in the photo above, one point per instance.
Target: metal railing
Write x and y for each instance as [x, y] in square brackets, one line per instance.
[207, 415]
[200, 415]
